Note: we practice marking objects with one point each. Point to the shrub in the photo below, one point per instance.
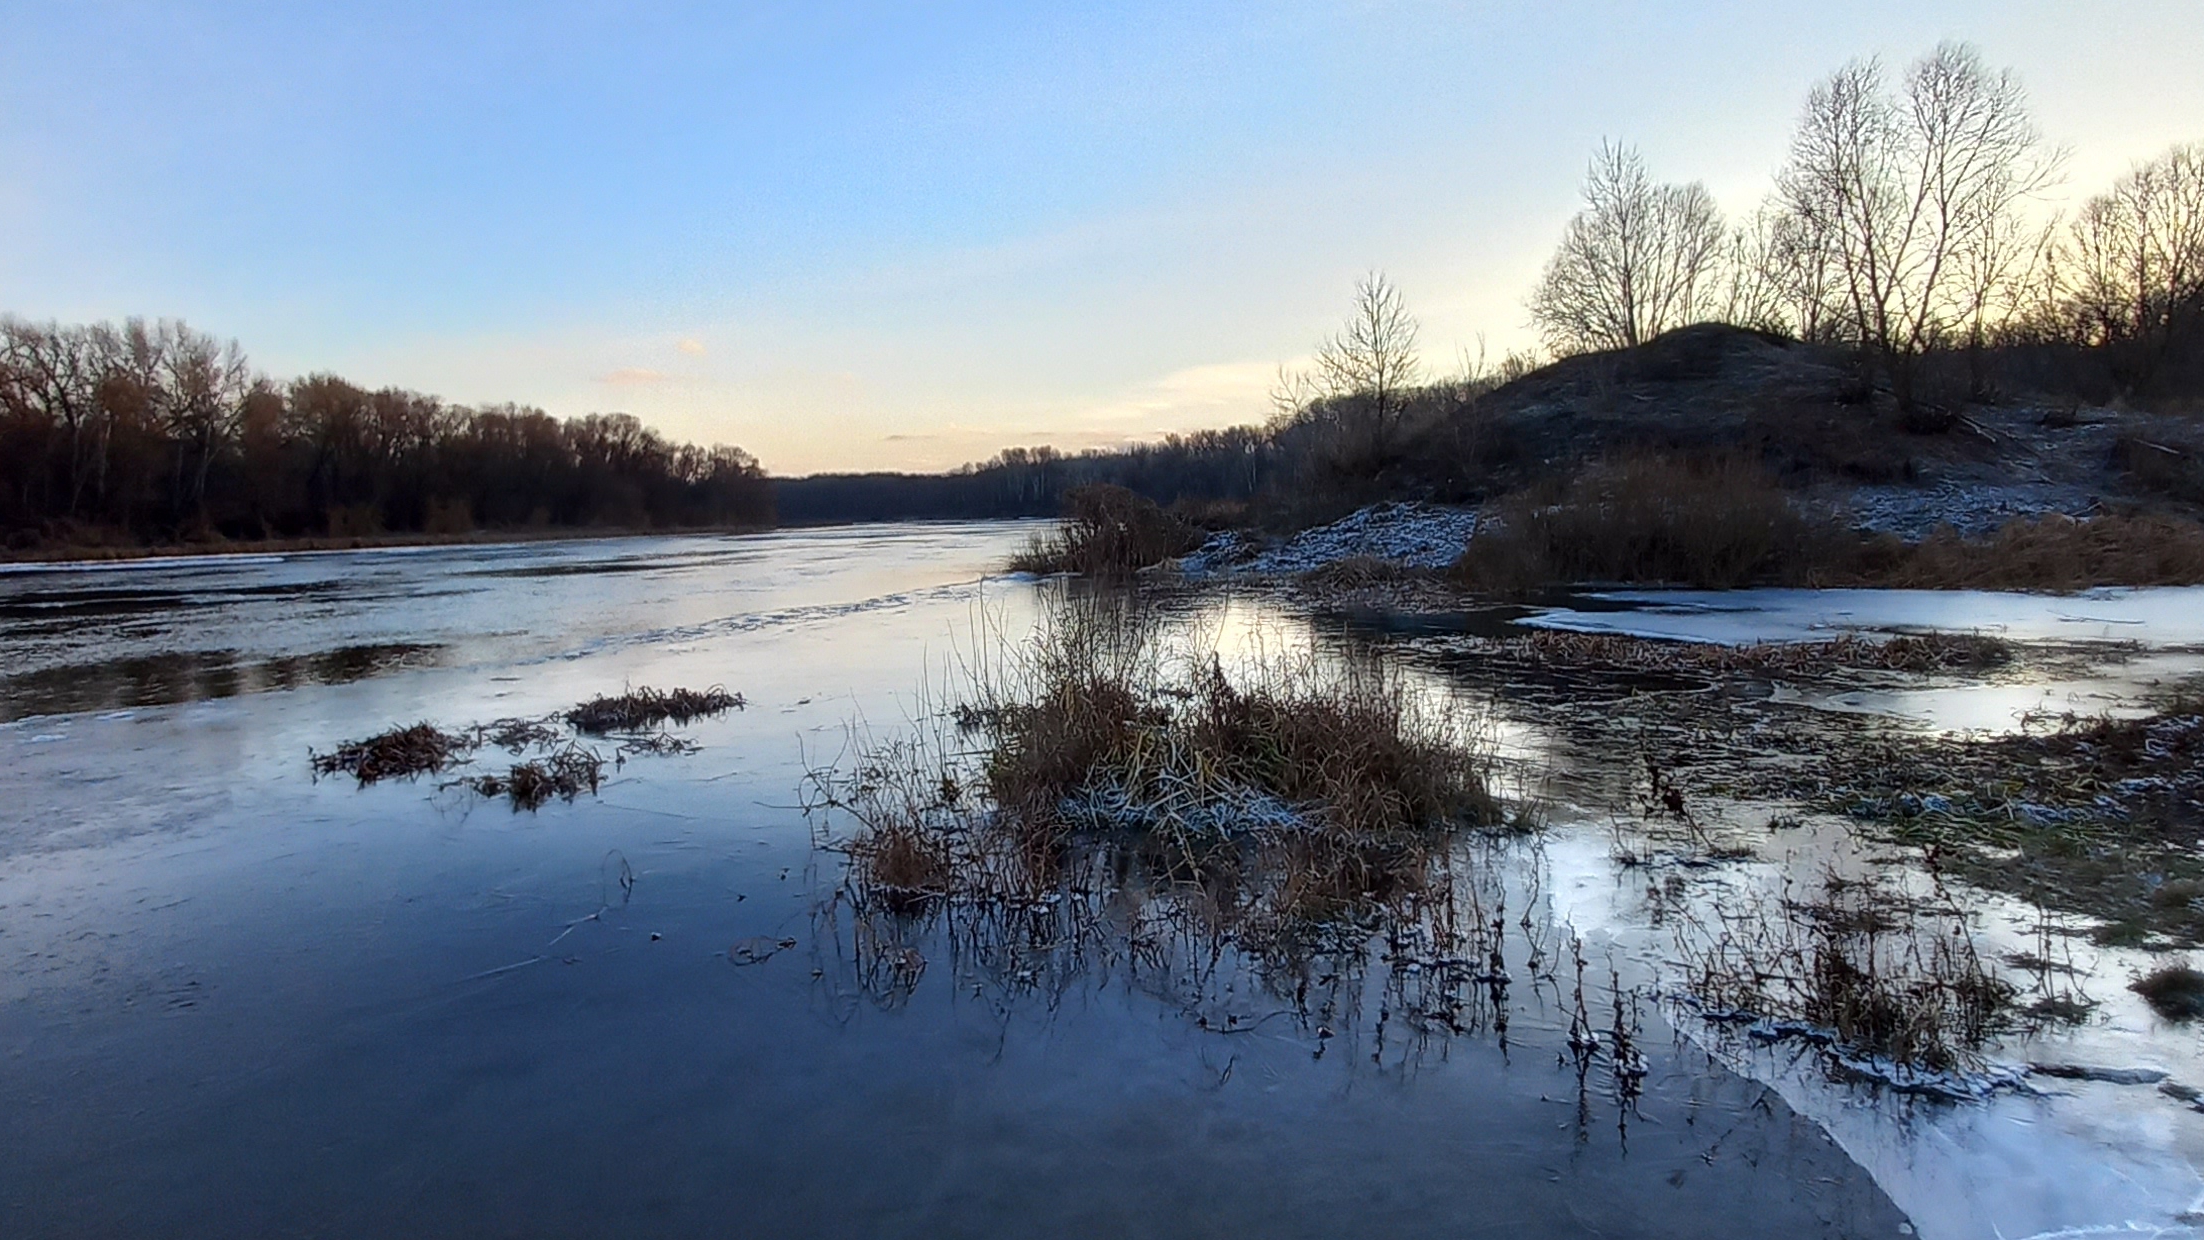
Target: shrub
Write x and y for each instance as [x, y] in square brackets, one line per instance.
[1721, 523]
[1715, 522]
[1108, 531]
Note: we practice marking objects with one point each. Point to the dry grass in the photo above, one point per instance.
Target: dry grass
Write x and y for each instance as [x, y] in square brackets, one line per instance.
[2098, 816]
[2047, 553]
[1099, 713]
[529, 785]
[1108, 531]
[401, 753]
[1871, 973]
[1721, 523]
[1914, 653]
[563, 768]
[1714, 522]
[2175, 992]
[638, 710]
[1289, 789]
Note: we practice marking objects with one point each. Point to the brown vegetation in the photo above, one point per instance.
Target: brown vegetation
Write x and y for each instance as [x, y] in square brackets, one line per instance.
[1108, 531]
[1292, 790]
[564, 769]
[1715, 522]
[2045, 553]
[636, 710]
[2175, 992]
[1720, 523]
[1871, 973]
[528, 785]
[2096, 816]
[1918, 653]
[401, 753]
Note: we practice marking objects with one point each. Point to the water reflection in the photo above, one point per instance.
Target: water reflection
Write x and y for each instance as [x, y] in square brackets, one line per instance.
[193, 676]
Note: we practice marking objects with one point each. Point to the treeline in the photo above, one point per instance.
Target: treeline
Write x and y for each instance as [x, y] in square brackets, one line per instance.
[1221, 470]
[152, 432]
[1907, 221]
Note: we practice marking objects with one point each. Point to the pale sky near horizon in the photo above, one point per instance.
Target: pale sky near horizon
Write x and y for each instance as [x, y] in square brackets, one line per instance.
[905, 236]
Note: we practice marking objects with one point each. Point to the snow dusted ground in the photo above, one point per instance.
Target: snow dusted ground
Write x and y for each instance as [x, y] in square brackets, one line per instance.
[1974, 509]
[1413, 535]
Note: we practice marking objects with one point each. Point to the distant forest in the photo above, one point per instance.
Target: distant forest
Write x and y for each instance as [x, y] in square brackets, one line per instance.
[1227, 469]
[153, 433]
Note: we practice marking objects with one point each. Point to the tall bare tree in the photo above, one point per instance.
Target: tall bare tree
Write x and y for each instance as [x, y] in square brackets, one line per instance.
[1780, 275]
[2135, 260]
[1371, 363]
[1917, 196]
[1639, 259]
[52, 372]
[206, 381]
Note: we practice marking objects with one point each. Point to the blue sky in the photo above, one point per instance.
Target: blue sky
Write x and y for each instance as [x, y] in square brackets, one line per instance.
[902, 235]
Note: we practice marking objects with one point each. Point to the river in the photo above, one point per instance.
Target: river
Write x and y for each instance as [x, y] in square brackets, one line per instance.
[242, 1000]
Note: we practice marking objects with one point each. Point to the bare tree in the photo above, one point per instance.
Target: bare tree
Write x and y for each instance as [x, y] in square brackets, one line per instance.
[52, 373]
[206, 382]
[1780, 276]
[1911, 193]
[1371, 364]
[1639, 259]
[2135, 260]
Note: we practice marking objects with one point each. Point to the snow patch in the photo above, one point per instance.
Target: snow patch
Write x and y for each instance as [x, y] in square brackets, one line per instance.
[1428, 536]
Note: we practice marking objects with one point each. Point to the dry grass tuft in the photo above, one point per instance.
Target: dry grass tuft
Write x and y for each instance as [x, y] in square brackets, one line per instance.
[905, 866]
[1871, 973]
[401, 753]
[1288, 789]
[1108, 531]
[638, 710]
[564, 769]
[2175, 992]
[528, 785]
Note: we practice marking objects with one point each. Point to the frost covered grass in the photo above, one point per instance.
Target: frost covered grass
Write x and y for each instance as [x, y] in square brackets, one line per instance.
[1310, 787]
[1723, 522]
[2094, 815]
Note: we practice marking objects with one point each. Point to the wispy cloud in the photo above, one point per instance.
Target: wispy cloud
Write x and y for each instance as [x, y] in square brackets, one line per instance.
[632, 376]
[691, 346]
[1216, 394]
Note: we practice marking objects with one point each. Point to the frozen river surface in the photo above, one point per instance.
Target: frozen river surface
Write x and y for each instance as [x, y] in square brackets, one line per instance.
[240, 1001]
